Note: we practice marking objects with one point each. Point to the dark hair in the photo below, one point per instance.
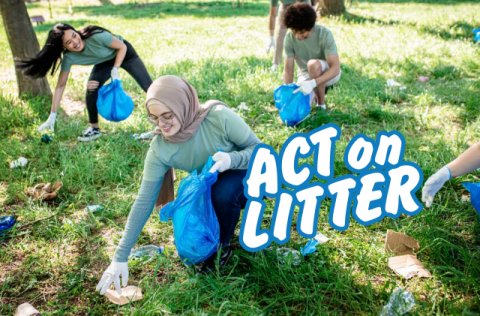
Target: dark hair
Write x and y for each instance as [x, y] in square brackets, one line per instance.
[47, 58]
[300, 16]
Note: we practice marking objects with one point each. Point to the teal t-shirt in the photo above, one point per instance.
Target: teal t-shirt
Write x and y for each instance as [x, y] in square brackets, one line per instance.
[274, 3]
[97, 50]
[222, 129]
[317, 46]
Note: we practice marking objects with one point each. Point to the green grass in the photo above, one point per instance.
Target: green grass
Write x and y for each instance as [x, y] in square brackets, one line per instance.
[56, 263]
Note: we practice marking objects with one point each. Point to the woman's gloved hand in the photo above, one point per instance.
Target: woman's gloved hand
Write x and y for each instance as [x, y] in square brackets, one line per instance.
[269, 44]
[114, 74]
[112, 275]
[433, 184]
[223, 162]
[49, 123]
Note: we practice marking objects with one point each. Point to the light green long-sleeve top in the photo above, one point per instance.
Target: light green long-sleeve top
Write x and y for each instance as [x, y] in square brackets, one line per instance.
[222, 129]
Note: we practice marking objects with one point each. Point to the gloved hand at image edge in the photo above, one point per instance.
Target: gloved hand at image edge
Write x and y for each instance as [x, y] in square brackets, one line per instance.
[49, 123]
[434, 184]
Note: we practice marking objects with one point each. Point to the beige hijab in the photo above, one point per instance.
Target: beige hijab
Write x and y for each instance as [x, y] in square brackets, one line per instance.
[177, 94]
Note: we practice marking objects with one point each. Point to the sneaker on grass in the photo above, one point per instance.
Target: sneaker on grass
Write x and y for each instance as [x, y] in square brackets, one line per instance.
[90, 134]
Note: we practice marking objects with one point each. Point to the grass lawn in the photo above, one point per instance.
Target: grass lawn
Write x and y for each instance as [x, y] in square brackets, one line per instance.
[56, 263]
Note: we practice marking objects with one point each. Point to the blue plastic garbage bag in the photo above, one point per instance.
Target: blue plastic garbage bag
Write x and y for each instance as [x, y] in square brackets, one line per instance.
[113, 103]
[195, 224]
[474, 189]
[293, 107]
[476, 35]
[6, 223]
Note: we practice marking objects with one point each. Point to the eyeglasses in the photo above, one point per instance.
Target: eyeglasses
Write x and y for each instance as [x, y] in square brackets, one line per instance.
[166, 118]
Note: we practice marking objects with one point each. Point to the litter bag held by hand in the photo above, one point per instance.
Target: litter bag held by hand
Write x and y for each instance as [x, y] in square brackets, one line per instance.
[113, 103]
[293, 107]
[195, 224]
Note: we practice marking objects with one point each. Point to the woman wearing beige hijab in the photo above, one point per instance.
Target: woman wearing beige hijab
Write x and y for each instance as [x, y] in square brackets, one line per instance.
[187, 134]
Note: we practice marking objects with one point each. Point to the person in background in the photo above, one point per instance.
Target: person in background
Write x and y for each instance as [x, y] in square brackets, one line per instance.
[465, 163]
[277, 42]
[312, 47]
[187, 134]
[93, 45]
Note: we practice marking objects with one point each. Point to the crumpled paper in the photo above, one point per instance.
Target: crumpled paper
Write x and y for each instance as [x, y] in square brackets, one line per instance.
[45, 191]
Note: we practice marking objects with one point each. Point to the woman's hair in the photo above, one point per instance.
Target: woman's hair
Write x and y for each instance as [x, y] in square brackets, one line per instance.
[300, 17]
[47, 58]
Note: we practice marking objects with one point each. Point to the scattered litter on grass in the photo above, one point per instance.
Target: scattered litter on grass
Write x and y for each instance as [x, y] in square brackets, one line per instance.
[146, 135]
[146, 251]
[474, 189]
[46, 191]
[405, 263]
[289, 256]
[26, 309]
[476, 35]
[6, 224]
[95, 208]
[243, 107]
[129, 294]
[311, 245]
[20, 162]
[401, 302]
[423, 78]
[393, 83]
[46, 138]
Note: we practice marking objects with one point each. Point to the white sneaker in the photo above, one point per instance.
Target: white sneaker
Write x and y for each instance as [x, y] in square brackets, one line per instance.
[323, 106]
[90, 134]
[274, 68]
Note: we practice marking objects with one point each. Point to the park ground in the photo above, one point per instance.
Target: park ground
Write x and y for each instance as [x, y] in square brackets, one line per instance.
[56, 262]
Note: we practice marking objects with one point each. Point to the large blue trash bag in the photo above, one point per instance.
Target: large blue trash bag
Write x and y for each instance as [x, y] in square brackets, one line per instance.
[293, 107]
[113, 103]
[474, 189]
[195, 224]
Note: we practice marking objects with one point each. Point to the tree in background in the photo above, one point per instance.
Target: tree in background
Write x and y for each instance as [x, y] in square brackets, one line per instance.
[24, 44]
[330, 7]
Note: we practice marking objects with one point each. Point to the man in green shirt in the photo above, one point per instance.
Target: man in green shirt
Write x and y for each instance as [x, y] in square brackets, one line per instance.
[277, 43]
[313, 49]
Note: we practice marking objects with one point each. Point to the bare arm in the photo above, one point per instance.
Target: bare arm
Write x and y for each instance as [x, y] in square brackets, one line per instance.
[288, 71]
[333, 71]
[466, 162]
[122, 50]
[58, 93]
[271, 21]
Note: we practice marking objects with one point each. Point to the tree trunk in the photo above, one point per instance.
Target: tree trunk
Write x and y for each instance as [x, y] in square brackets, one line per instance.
[331, 7]
[24, 44]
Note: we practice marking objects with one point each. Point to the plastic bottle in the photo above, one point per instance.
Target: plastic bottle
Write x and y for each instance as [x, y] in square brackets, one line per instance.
[401, 302]
[284, 253]
[146, 251]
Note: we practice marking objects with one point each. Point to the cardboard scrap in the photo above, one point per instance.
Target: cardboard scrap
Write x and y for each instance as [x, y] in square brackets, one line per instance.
[26, 310]
[408, 266]
[400, 244]
[129, 294]
[405, 263]
[46, 191]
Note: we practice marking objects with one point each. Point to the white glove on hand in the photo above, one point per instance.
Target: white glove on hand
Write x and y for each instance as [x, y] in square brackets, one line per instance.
[433, 184]
[223, 162]
[307, 87]
[114, 74]
[49, 123]
[112, 275]
[270, 44]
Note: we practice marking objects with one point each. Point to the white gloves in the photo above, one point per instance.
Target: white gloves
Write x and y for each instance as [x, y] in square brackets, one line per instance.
[270, 44]
[307, 87]
[433, 184]
[223, 162]
[49, 123]
[114, 74]
[112, 275]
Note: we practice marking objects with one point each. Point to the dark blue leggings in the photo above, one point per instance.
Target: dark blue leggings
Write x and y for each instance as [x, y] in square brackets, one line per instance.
[228, 200]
